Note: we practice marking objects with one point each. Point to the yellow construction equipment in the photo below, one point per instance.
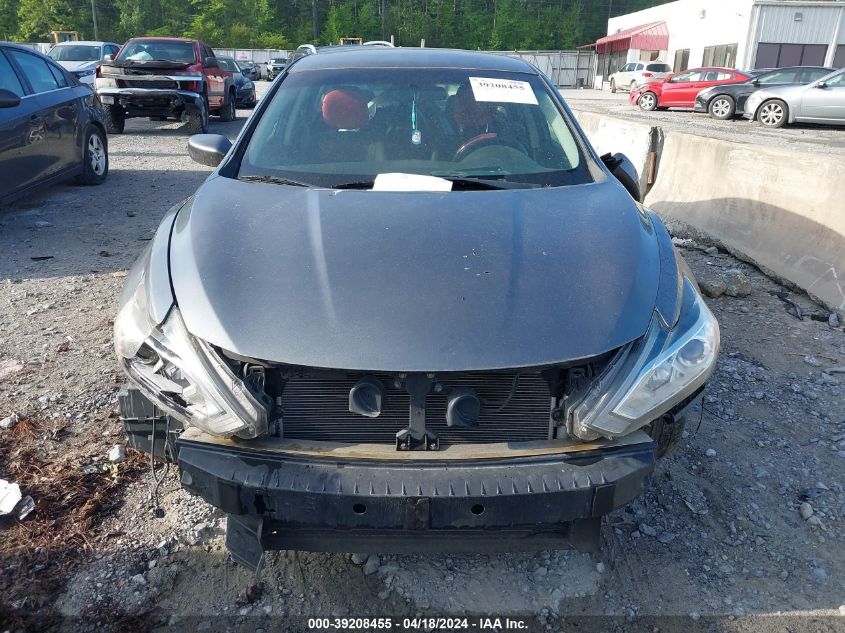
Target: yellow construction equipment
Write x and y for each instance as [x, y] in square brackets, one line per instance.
[64, 36]
[349, 41]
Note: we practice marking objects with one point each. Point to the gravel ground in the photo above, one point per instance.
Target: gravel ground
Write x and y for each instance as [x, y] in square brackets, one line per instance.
[815, 138]
[745, 521]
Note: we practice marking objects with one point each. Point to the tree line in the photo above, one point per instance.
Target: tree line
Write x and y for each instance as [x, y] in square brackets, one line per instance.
[284, 24]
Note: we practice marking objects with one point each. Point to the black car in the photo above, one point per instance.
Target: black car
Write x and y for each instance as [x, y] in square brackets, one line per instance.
[728, 101]
[440, 322]
[51, 126]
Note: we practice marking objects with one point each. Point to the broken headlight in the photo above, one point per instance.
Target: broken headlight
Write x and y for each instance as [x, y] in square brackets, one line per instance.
[653, 374]
[183, 375]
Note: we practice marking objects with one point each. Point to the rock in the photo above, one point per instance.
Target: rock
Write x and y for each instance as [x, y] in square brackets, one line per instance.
[250, 594]
[833, 320]
[812, 361]
[139, 579]
[9, 367]
[360, 559]
[842, 609]
[814, 521]
[819, 574]
[737, 284]
[10, 422]
[712, 251]
[710, 452]
[667, 537]
[695, 616]
[600, 568]
[647, 530]
[117, 454]
[806, 510]
[713, 288]
[42, 224]
[372, 565]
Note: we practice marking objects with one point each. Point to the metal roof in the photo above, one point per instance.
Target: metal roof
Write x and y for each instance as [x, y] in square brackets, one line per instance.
[653, 36]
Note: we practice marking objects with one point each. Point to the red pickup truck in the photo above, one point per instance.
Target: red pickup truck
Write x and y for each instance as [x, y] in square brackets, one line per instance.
[165, 78]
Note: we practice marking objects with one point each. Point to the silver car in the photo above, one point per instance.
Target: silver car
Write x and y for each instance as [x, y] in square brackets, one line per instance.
[822, 101]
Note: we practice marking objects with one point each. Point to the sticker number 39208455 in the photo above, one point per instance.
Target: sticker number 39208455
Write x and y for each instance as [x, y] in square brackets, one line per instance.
[502, 90]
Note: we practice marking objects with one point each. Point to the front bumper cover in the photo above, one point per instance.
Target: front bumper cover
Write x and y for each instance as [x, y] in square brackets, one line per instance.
[281, 500]
[145, 101]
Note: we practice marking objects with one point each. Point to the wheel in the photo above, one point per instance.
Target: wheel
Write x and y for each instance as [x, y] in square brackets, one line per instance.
[95, 157]
[647, 101]
[197, 122]
[228, 111]
[613, 86]
[722, 107]
[667, 432]
[772, 113]
[115, 119]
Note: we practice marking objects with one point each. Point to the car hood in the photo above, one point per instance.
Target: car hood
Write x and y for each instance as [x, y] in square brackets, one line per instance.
[381, 281]
[78, 66]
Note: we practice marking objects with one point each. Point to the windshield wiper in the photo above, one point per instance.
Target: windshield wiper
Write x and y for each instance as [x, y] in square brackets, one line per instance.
[275, 180]
[458, 184]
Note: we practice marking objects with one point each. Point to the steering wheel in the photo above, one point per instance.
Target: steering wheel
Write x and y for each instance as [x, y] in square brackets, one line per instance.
[480, 141]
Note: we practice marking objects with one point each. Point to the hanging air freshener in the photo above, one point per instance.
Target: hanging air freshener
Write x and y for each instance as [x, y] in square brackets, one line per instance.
[416, 135]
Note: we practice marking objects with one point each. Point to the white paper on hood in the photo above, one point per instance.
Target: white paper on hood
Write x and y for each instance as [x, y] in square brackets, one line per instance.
[502, 90]
[410, 182]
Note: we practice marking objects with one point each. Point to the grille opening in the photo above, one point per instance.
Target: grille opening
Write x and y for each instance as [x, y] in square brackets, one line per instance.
[477, 509]
[359, 508]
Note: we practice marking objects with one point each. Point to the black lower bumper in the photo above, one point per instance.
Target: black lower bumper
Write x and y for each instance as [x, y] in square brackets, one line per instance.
[286, 501]
[142, 102]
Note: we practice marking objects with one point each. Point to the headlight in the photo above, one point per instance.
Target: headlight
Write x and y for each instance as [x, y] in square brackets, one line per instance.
[85, 73]
[653, 375]
[248, 85]
[105, 82]
[182, 374]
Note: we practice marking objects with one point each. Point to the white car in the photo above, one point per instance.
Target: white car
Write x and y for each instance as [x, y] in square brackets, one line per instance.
[634, 74]
[81, 58]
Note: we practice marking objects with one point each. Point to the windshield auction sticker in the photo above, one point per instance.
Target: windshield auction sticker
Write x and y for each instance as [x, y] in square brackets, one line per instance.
[502, 90]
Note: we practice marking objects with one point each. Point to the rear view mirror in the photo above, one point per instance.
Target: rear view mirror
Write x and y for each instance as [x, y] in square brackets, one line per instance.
[624, 171]
[211, 62]
[9, 99]
[208, 149]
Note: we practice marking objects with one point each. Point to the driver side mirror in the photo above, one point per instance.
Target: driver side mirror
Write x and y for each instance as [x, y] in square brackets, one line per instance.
[208, 149]
[821, 84]
[9, 99]
[624, 171]
[108, 58]
[211, 62]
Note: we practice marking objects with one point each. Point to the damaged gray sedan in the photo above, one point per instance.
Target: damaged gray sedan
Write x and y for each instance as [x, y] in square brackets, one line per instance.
[411, 310]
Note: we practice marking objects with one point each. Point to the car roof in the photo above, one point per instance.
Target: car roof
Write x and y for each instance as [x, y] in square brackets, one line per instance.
[169, 39]
[382, 57]
[85, 42]
[727, 70]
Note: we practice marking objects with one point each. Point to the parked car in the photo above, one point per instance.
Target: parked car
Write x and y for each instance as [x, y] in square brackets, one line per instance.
[51, 126]
[244, 88]
[165, 77]
[275, 67]
[728, 101]
[249, 69]
[82, 58]
[635, 74]
[680, 90]
[822, 101]
[389, 340]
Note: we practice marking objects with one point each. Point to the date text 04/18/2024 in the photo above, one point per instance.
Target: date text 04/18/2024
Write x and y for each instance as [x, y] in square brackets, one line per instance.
[418, 624]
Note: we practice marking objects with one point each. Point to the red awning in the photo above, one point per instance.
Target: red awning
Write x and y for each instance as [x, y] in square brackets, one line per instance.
[649, 37]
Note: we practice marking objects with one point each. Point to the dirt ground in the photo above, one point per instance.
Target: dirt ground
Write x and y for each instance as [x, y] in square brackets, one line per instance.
[720, 542]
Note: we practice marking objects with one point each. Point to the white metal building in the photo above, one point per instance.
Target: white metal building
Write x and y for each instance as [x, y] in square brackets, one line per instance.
[733, 33]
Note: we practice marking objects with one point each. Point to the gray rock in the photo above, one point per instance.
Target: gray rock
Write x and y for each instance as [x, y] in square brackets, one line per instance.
[806, 510]
[117, 454]
[360, 559]
[833, 320]
[667, 537]
[710, 452]
[737, 284]
[647, 530]
[713, 288]
[819, 574]
[139, 579]
[712, 251]
[372, 565]
[10, 422]
[600, 568]
[42, 224]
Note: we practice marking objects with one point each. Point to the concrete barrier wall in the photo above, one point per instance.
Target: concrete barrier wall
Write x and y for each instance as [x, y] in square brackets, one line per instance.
[783, 210]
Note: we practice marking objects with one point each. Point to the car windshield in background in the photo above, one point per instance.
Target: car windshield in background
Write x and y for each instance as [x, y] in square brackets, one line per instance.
[659, 68]
[158, 50]
[334, 128]
[228, 64]
[75, 53]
